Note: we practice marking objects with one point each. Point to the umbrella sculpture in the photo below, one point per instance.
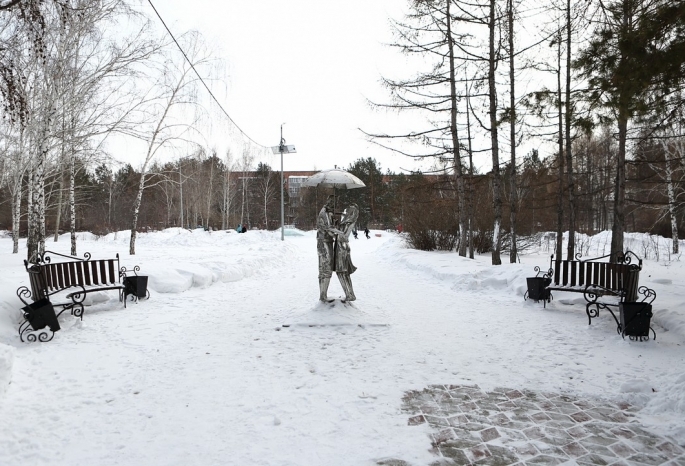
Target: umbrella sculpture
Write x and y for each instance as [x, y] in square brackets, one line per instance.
[332, 243]
[334, 178]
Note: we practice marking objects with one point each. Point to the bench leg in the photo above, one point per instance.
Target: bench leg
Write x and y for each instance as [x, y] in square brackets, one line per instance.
[27, 334]
[592, 311]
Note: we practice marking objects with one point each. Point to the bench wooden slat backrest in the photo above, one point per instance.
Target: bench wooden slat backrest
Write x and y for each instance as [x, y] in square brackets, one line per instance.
[608, 275]
[61, 275]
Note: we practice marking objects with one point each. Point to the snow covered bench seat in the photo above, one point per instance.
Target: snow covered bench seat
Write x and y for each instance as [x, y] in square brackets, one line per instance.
[596, 279]
[69, 281]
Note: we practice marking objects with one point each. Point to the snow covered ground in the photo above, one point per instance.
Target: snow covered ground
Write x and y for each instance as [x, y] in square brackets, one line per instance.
[234, 361]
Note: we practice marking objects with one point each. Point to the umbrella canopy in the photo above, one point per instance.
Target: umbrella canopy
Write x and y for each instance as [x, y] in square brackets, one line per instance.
[334, 179]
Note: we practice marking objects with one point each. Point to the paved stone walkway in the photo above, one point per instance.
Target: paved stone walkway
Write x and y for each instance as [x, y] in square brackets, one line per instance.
[509, 426]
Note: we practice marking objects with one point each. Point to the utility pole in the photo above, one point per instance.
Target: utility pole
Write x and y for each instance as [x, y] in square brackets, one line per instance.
[282, 148]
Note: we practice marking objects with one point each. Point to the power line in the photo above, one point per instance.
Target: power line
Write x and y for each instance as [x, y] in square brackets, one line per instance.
[202, 80]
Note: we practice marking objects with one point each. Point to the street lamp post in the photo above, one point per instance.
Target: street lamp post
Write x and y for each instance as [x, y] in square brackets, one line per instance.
[282, 148]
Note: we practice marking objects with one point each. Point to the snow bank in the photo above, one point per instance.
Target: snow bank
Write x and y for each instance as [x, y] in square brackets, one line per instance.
[168, 257]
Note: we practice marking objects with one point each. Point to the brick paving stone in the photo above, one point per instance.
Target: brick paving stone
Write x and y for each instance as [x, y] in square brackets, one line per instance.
[525, 450]
[559, 435]
[501, 455]
[534, 432]
[597, 449]
[566, 408]
[566, 398]
[540, 417]
[431, 408]
[489, 434]
[477, 453]
[523, 427]
[506, 405]
[577, 432]
[562, 424]
[547, 405]
[622, 450]
[520, 416]
[645, 444]
[619, 416]
[455, 454]
[601, 440]
[580, 416]
[469, 406]
[455, 421]
[514, 394]
[516, 425]
[392, 462]
[437, 421]
[525, 404]
[544, 459]
[549, 449]
[416, 420]
[476, 426]
[671, 449]
[461, 443]
[499, 419]
[646, 458]
[513, 434]
[594, 460]
[442, 436]
[475, 416]
[680, 461]
[583, 404]
[574, 449]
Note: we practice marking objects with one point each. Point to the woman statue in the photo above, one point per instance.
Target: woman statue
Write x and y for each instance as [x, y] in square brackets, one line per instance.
[343, 262]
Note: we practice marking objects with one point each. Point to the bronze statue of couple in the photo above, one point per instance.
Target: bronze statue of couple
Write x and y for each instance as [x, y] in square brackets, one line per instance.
[333, 247]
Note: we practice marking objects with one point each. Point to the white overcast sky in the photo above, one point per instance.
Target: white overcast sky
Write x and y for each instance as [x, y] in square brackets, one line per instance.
[310, 64]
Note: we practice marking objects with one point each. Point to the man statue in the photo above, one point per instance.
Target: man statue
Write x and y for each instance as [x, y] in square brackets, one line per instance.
[343, 262]
[325, 234]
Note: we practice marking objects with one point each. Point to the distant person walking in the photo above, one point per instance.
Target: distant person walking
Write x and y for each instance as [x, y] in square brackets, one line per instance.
[366, 232]
[354, 233]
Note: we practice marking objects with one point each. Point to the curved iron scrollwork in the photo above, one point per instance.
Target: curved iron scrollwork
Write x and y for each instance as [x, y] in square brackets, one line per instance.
[45, 259]
[648, 293]
[123, 270]
[578, 256]
[592, 294]
[24, 292]
[27, 334]
[78, 296]
[548, 274]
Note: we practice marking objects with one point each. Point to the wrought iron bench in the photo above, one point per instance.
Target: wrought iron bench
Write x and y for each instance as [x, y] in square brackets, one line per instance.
[595, 279]
[69, 282]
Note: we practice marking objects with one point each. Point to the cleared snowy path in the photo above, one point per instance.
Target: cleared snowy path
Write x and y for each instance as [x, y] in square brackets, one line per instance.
[211, 375]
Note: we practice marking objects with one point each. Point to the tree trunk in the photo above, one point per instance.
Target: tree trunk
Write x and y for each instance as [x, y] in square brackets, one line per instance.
[458, 172]
[560, 205]
[671, 198]
[16, 218]
[618, 227]
[468, 136]
[36, 240]
[72, 203]
[136, 210]
[570, 252]
[180, 194]
[209, 193]
[513, 193]
[496, 181]
[58, 216]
